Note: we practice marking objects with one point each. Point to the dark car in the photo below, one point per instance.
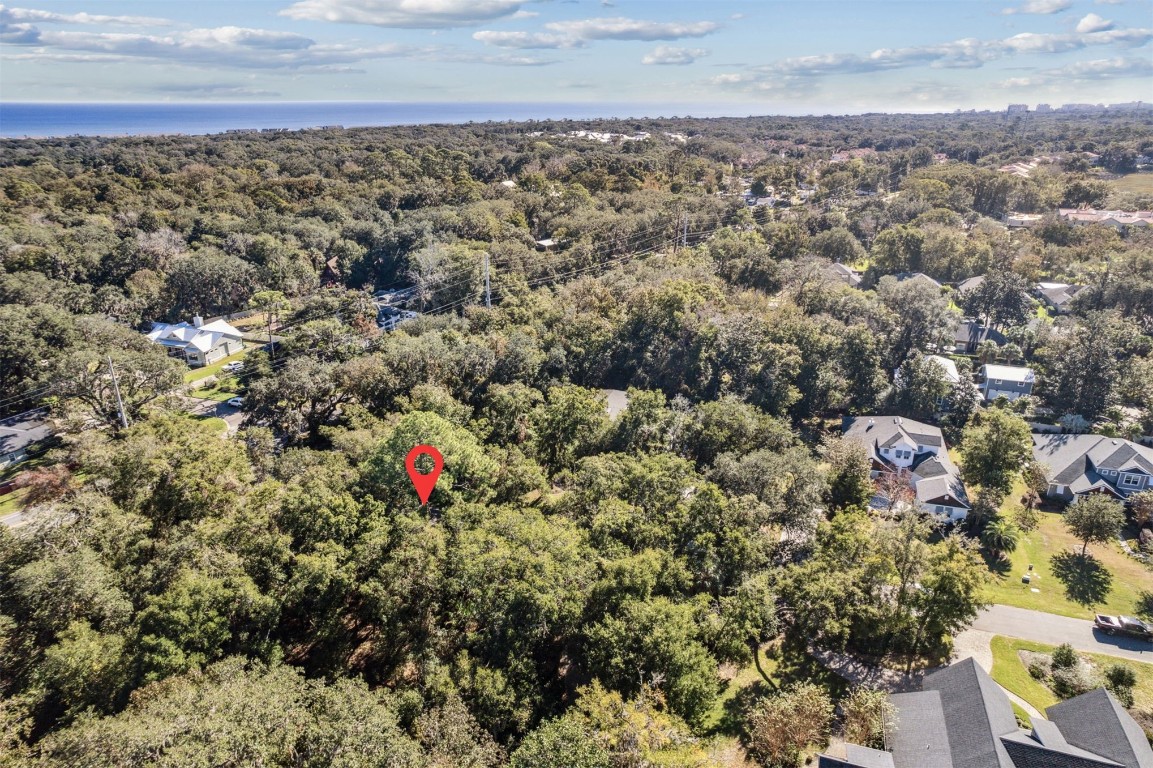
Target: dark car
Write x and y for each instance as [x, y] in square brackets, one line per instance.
[1123, 625]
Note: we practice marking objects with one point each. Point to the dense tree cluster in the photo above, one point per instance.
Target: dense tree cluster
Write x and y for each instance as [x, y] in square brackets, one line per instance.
[577, 583]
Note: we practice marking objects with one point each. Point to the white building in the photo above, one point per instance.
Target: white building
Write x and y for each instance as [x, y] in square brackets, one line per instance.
[198, 344]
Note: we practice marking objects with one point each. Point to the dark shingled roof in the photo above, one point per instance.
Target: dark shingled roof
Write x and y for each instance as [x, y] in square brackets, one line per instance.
[976, 713]
[1027, 752]
[857, 757]
[1096, 722]
[920, 736]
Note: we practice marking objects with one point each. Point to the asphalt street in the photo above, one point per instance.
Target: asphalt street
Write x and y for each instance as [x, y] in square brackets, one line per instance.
[1049, 628]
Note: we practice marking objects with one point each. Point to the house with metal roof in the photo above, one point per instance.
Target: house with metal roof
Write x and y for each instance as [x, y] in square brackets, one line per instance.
[1008, 381]
[198, 344]
[1080, 464]
[898, 445]
[962, 719]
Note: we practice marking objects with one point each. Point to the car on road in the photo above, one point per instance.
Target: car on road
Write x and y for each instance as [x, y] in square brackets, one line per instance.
[233, 367]
[236, 402]
[1123, 625]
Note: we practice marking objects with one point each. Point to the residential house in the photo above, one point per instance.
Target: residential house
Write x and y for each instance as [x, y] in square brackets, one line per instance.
[961, 718]
[1057, 297]
[19, 435]
[1009, 381]
[1121, 220]
[1080, 464]
[971, 284]
[1023, 220]
[388, 317]
[969, 334]
[903, 276]
[952, 375]
[198, 344]
[846, 275]
[896, 444]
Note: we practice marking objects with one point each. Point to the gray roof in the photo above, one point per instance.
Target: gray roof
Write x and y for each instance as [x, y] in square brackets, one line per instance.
[970, 332]
[21, 431]
[921, 737]
[1028, 752]
[967, 285]
[1073, 460]
[1096, 722]
[903, 276]
[887, 430]
[976, 711]
[934, 476]
[857, 757]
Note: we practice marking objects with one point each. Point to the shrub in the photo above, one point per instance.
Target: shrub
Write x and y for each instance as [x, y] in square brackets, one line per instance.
[1064, 657]
[1070, 681]
[1038, 670]
[1120, 679]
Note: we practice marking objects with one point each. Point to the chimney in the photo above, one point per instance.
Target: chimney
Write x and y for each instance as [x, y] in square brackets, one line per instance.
[898, 420]
[198, 321]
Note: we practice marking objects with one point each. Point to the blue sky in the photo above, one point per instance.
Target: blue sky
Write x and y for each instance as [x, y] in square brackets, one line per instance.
[739, 57]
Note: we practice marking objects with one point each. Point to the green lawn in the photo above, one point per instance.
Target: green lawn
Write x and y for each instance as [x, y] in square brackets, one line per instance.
[1141, 183]
[1013, 675]
[1108, 582]
[196, 374]
[1011, 672]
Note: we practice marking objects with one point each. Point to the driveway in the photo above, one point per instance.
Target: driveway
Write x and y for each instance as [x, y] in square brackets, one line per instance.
[1051, 629]
[205, 407]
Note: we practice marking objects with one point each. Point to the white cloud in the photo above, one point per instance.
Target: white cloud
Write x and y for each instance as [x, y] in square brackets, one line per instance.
[228, 47]
[620, 28]
[1093, 23]
[526, 39]
[29, 15]
[410, 14]
[967, 53]
[1109, 2]
[670, 55]
[1041, 7]
[1097, 69]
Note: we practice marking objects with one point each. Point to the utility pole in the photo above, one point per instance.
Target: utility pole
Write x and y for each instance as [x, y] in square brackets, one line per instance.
[487, 284]
[116, 389]
[685, 232]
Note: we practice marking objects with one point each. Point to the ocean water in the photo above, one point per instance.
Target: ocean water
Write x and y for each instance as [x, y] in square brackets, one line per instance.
[19, 119]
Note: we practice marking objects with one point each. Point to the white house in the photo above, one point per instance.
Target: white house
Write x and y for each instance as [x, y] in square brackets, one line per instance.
[903, 445]
[1010, 381]
[199, 344]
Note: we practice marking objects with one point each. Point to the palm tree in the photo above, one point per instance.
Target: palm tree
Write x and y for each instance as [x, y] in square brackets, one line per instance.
[1001, 537]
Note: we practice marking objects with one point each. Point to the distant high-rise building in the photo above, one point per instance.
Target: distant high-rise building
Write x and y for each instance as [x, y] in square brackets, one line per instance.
[1017, 109]
[1043, 108]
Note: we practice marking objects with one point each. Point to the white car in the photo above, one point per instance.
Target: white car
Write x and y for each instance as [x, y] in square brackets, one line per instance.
[236, 402]
[232, 367]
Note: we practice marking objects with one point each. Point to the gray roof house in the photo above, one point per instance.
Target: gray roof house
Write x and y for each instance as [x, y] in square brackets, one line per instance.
[1009, 381]
[845, 274]
[18, 434]
[1058, 297]
[971, 284]
[903, 445]
[1080, 464]
[962, 719]
[903, 276]
[970, 333]
[198, 344]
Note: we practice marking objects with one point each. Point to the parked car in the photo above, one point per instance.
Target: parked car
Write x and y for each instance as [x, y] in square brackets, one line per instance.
[233, 367]
[236, 402]
[1123, 625]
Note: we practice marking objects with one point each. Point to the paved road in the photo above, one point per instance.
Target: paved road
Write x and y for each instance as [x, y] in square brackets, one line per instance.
[205, 407]
[1049, 628]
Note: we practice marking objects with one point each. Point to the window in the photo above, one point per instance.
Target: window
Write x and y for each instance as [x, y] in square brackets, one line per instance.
[939, 509]
[996, 381]
[1133, 481]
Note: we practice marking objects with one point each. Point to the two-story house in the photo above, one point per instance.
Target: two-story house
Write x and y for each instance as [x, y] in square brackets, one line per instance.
[896, 444]
[1081, 464]
[1009, 381]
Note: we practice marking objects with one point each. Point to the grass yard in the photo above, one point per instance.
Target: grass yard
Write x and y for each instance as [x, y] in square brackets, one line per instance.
[1011, 672]
[1139, 183]
[196, 374]
[1106, 582]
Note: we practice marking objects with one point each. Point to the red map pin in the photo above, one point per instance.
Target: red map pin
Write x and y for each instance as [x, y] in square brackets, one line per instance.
[424, 483]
